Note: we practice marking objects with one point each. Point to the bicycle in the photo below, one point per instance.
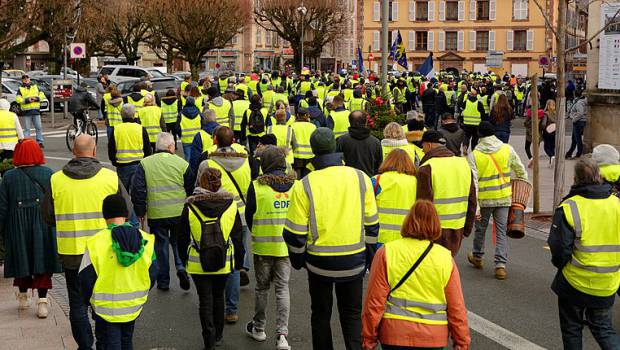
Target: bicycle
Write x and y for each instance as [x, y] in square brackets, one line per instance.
[89, 127]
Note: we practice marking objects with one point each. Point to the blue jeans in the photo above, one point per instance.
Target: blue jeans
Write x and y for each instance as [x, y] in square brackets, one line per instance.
[187, 151]
[165, 231]
[247, 245]
[113, 336]
[232, 293]
[572, 321]
[577, 138]
[78, 312]
[125, 174]
[27, 122]
[108, 131]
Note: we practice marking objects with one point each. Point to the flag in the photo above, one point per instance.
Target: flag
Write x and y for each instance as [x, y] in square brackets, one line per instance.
[426, 68]
[360, 60]
[398, 51]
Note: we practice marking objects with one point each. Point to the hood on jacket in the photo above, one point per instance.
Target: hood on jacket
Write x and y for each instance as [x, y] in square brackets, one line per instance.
[489, 144]
[359, 133]
[472, 98]
[438, 152]
[116, 101]
[218, 101]
[136, 96]
[255, 106]
[451, 127]
[82, 168]
[227, 158]
[211, 204]
[168, 100]
[327, 160]
[190, 111]
[393, 142]
[128, 244]
[590, 191]
[278, 180]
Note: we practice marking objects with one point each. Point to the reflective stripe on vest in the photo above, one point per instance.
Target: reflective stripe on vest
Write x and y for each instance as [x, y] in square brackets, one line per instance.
[268, 221]
[189, 129]
[471, 114]
[78, 217]
[170, 112]
[450, 197]
[8, 133]
[398, 193]
[31, 91]
[341, 122]
[301, 146]
[243, 178]
[119, 292]
[150, 117]
[357, 104]
[284, 135]
[164, 174]
[113, 113]
[492, 184]
[129, 143]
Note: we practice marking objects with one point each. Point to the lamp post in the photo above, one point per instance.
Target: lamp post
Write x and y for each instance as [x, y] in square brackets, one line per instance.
[303, 10]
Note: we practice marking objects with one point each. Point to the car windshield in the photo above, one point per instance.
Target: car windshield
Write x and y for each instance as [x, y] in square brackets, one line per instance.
[12, 84]
[155, 73]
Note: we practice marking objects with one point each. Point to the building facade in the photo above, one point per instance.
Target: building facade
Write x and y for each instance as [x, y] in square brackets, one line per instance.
[460, 33]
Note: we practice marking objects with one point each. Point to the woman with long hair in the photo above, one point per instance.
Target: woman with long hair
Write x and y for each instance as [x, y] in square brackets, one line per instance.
[548, 130]
[414, 298]
[395, 190]
[501, 115]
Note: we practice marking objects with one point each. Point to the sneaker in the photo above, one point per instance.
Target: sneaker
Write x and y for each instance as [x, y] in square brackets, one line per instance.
[244, 278]
[254, 333]
[42, 308]
[477, 262]
[231, 318]
[183, 279]
[282, 343]
[500, 273]
[23, 300]
[219, 341]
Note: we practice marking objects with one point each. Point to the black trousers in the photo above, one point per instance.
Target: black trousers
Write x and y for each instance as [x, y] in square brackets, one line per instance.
[471, 134]
[573, 318]
[210, 290]
[349, 301]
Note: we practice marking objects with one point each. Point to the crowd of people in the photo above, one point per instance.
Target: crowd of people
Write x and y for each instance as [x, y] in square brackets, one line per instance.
[282, 172]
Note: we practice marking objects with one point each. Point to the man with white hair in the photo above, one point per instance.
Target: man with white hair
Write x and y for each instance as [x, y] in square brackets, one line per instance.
[160, 185]
[10, 130]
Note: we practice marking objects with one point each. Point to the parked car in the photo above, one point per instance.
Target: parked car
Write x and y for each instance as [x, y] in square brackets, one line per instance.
[13, 73]
[160, 85]
[10, 87]
[131, 71]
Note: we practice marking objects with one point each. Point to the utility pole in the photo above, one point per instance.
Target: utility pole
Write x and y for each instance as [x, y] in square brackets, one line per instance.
[558, 174]
[536, 144]
[385, 21]
[302, 9]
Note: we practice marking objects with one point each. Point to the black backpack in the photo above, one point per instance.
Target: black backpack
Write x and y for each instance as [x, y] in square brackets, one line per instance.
[212, 247]
[256, 122]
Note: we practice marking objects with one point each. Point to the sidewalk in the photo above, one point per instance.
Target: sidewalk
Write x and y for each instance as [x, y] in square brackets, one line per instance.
[23, 330]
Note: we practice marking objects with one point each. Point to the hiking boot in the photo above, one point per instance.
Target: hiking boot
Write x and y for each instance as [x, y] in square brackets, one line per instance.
[23, 300]
[183, 279]
[244, 278]
[42, 308]
[282, 343]
[476, 262]
[500, 273]
[254, 333]
[231, 318]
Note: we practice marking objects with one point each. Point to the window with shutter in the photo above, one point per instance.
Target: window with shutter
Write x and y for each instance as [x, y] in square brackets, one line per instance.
[441, 41]
[520, 40]
[421, 41]
[482, 40]
[530, 40]
[509, 40]
[431, 41]
[452, 10]
[482, 9]
[472, 10]
[411, 40]
[376, 11]
[258, 37]
[411, 10]
[442, 11]
[454, 40]
[421, 11]
[461, 41]
[394, 11]
[492, 10]
[461, 9]
[376, 35]
[431, 10]
[472, 40]
[492, 40]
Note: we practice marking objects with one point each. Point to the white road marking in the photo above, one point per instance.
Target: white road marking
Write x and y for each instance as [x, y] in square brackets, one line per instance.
[499, 334]
[101, 133]
[68, 159]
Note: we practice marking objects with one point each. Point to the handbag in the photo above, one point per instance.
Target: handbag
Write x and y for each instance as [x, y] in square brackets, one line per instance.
[413, 268]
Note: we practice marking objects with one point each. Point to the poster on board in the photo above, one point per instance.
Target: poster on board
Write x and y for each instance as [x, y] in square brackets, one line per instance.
[609, 54]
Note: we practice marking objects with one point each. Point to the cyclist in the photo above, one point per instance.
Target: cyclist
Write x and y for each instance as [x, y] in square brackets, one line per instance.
[79, 103]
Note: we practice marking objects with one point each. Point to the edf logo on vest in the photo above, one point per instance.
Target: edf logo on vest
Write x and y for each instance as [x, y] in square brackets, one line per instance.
[281, 201]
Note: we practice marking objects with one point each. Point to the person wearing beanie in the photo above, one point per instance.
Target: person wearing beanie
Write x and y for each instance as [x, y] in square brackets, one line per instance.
[302, 150]
[492, 162]
[439, 164]
[608, 160]
[333, 210]
[453, 134]
[361, 150]
[10, 130]
[266, 209]
[222, 107]
[117, 289]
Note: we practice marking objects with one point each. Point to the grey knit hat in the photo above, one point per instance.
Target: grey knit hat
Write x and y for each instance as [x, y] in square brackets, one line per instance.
[272, 158]
[605, 155]
[323, 141]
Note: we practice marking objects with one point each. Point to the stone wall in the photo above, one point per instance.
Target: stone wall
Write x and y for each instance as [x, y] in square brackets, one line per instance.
[604, 123]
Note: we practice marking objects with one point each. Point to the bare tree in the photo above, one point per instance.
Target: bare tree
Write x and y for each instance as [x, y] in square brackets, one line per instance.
[194, 27]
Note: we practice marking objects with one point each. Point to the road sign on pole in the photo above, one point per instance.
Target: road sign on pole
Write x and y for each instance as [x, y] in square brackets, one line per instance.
[495, 59]
[77, 50]
[543, 61]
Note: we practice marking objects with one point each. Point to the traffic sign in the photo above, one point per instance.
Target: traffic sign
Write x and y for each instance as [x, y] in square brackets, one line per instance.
[495, 59]
[62, 89]
[371, 57]
[77, 50]
[543, 61]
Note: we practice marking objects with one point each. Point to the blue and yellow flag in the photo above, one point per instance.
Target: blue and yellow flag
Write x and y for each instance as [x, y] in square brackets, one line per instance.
[397, 53]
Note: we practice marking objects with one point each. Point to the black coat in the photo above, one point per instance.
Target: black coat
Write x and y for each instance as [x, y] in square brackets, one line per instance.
[361, 150]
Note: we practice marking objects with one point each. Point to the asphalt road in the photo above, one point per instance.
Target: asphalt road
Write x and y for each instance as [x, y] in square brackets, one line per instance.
[518, 313]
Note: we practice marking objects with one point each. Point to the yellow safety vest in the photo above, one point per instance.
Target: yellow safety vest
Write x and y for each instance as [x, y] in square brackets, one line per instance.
[170, 112]
[415, 152]
[189, 128]
[595, 265]
[471, 114]
[357, 104]
[347, 94]
[284, 139]
[610, 172]
[398, 193]
[449, 94]
[129, 143]
[239, 107]
[113, 112]
[485, 104]
[450, 197]
[184, 85]
[137, 103]
[264, 113]
[221, 112]
[278, 97]
[402, 97]
[165, 191]
[227, 221]
[491, 183]
[31, 91]
[304, 87]
[518, 94]
[268, 221]
[223, 84]
[268, 96]
[119, 292]
[206, 140]
[243, 178]
[78, 216]
[302, 132]
[320, 91]
[150, 117]
[243, 88]
[253, 85]
[341, 122]
[421, 298]
[8, 133]
[235, 146]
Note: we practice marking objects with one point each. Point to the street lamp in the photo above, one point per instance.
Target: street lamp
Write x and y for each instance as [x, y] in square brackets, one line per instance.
[303, 10]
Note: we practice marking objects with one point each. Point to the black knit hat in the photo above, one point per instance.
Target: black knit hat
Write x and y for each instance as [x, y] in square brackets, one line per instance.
[433, 136]
[269, 139]
[114, 206]
[323, 141]
[272, 158]
[486, 129]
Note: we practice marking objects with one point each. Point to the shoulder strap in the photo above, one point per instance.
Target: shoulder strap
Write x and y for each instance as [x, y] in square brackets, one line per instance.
[415, 266]
[33, 180]
[232, 178]
[501, 173]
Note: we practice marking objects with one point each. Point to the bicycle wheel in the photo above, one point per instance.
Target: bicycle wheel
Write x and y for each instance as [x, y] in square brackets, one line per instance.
[72, 132]
[91, 129]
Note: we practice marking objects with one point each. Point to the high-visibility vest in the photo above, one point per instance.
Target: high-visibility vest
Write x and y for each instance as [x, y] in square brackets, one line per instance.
[491, 183]
[518, 94]
[113, 112]
[223, 84]
[278, 97]
[227, 221]
[410, 86]
[276, 82]
[248, 113]
[243, 178]
[284, 137]
[77, 208]
[595, 265]
[334, 223]
[189, 128]
[610, 172]
[347, 94]
[221, 112]
[8, 133]
[243, 88]
[184, 84]
[165, 193]
[320, 91]
[302, 132]
[31, 91]
[341, 122]
[137, 103]
[206, 140]
[333, 93]
[450, 197]
[471, 114]
[357, 104]
[485, 103]
[198, 102]
[263, 87]
[239, 107]
[268, 220]
[415, 152]
[170, 112]
[129, 143]
[268, 98]
[398, 193]
[120, 291]
[402, 97]
[421, 298]
[150, 117]
[449, 95]
[304, 87]
[253, 85]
